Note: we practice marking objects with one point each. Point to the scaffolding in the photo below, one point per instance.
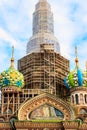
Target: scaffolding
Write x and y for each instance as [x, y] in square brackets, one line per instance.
[12, 98]
[44, 70]
[43, 73]
[49, 67]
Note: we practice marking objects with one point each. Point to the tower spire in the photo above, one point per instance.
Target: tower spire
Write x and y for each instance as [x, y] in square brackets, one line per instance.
[12, 58]
[43, 18]
[76, 59]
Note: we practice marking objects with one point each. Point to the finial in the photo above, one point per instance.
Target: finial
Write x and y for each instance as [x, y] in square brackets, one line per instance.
[76, 51]
[12, 51]
[76, 59]
[12, 58]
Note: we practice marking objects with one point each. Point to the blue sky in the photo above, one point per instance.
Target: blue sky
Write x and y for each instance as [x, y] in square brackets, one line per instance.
[70, 22]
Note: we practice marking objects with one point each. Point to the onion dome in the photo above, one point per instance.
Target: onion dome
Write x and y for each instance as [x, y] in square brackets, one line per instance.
[11, 77]
[77, 77]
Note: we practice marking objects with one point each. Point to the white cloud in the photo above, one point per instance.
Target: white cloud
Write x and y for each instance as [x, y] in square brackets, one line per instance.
[70, 26]
[5, 36]
[6, 41]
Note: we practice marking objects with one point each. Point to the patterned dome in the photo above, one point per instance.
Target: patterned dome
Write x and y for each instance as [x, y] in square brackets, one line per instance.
[11, 77]
[77, 77]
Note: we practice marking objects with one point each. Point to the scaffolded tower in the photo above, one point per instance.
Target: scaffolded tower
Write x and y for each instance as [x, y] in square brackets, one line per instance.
[43, 28]
[43, 67]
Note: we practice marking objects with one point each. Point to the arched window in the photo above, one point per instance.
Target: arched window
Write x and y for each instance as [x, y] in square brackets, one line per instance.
[81, 98]
[85, 98]
[2, 119]
[72, 99]
[77, 99]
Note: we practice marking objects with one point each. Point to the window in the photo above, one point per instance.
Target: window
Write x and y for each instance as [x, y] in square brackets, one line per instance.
[81, 98]
[77, 101]
[85, 98]
[72, 99]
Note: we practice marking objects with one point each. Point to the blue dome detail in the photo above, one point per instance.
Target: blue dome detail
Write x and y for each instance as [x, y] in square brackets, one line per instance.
[80, 77]
[19, 84]
[6, 81]
[76, 78]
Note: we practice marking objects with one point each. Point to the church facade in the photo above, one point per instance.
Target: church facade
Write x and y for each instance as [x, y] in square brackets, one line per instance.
[43, 94]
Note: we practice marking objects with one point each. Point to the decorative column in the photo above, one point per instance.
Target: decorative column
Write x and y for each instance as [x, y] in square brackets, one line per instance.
[13, 103]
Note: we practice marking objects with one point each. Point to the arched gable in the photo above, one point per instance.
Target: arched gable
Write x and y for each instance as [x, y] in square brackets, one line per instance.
[32, 104]
[2, 119]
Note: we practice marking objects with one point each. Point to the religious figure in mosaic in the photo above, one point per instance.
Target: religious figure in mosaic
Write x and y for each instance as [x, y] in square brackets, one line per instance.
[46, 111]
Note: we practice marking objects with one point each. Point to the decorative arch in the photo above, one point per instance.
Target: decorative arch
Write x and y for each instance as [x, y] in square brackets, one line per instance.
[40, 100]
[2, 119]
[83, 111]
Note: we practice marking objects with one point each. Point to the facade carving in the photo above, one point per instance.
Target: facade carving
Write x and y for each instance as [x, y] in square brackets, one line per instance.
[44, 99]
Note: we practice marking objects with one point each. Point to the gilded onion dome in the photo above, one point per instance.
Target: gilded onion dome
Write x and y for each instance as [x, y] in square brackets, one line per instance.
[11, 77]
[77, 77]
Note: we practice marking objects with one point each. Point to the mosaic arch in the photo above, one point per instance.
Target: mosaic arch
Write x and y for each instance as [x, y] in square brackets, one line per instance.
[46, 112]
[45, 103]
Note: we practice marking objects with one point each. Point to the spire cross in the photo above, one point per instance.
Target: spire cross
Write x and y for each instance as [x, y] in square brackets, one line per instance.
[12, 58]
[76, 50]
[12, 51]
[76, 59]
